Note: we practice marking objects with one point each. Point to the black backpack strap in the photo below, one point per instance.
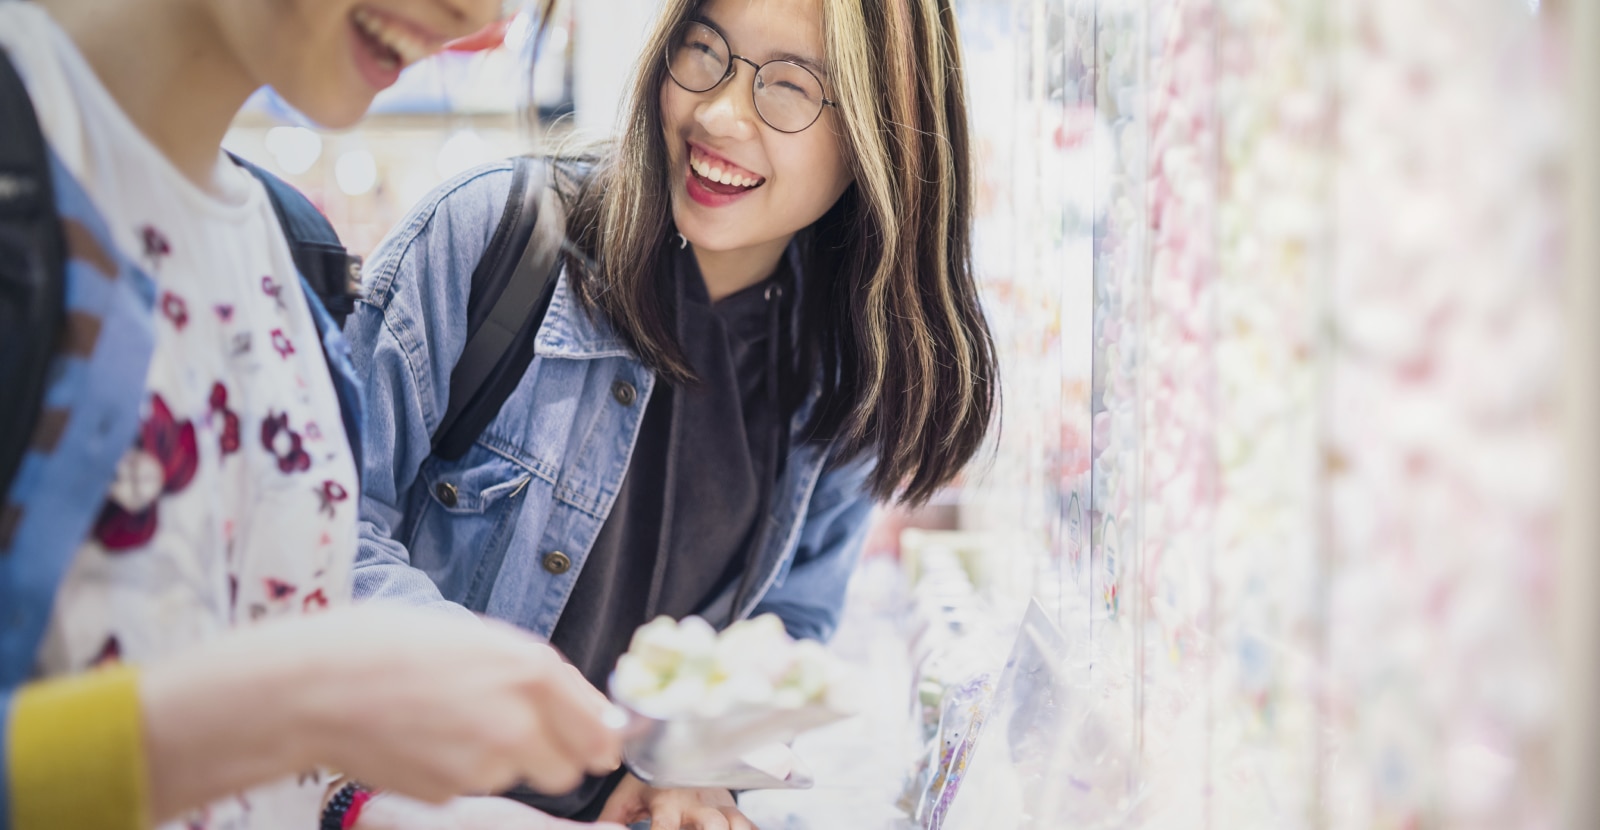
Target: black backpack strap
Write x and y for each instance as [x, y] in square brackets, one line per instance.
[334, 274]
[331, 277]
[511, 288]
[33, 263]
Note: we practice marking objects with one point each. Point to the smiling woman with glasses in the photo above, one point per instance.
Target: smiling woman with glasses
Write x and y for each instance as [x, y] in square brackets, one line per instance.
[765, 322]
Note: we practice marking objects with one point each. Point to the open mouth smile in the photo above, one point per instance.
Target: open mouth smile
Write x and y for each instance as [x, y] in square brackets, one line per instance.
[714, 181]
[385, 45]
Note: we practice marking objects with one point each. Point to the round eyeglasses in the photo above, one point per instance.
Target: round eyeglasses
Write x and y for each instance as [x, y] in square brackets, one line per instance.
[787, 96]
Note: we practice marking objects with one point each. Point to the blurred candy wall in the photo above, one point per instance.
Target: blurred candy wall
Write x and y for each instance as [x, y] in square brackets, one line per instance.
[1281, 293]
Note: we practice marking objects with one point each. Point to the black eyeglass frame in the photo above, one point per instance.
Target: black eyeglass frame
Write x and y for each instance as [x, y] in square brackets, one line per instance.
[733, 70]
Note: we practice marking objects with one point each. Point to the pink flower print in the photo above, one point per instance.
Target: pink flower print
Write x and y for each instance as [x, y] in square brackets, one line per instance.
[162, 462]
[155, 243]
[278, 589]
[110, 653]
[315, 600]
[175, 309]
[280, 341]
[174, 443]
[229, 439]
[271, 288]
[313, 432]
[224, 312]
[330, 494]
[284, 443]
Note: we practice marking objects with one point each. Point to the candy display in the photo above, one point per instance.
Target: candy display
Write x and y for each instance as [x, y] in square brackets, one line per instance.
[1313, 250]
[1442, 457]
[1040, 191]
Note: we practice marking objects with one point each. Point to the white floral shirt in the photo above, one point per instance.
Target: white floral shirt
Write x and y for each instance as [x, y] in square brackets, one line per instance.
[237, 500]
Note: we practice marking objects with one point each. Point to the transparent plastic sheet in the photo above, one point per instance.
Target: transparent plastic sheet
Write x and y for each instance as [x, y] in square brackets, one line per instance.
[859, 763]
[1006, 771]
[745, 751]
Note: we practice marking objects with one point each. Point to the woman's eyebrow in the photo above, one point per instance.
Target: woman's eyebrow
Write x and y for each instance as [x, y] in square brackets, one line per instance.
[809, 63]
[804, 61]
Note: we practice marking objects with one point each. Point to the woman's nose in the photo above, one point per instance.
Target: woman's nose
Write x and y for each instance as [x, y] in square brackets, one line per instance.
[730, 108]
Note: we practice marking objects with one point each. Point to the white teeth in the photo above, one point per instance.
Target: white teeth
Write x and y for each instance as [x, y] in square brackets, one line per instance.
[405, 45]
[713, 171]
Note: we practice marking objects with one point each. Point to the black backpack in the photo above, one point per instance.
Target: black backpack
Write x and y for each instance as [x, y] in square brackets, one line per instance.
[511, 290]
[510, 287]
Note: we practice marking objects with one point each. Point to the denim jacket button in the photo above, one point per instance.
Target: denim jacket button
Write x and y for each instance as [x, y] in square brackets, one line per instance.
[446, 493]
[624, 393]
[557, 562]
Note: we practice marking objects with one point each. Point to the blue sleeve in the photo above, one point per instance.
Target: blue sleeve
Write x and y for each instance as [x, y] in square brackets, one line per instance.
[405, 337]
[810, 596]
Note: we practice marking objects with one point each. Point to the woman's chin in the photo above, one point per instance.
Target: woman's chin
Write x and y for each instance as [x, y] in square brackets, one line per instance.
[706, 236]
[336, 112]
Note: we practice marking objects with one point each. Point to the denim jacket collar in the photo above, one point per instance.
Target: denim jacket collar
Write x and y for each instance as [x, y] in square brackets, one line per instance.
[570, 331]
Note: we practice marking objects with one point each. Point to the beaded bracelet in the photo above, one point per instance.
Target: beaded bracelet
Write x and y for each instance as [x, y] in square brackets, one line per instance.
[345, 807]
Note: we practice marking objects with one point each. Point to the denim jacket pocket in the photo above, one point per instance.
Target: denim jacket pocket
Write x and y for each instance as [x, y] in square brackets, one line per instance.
[465, 522]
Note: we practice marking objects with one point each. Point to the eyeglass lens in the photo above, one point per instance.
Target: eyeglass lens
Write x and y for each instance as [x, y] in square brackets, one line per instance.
[787, 96]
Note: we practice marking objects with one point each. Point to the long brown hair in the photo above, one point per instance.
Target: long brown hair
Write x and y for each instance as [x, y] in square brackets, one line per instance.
[892, 316]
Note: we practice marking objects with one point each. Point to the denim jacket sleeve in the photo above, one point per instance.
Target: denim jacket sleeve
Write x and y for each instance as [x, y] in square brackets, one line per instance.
[811, 595]
[405, 337]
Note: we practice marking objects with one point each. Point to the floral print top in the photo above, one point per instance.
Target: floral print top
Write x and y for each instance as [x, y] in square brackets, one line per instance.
[237, 500]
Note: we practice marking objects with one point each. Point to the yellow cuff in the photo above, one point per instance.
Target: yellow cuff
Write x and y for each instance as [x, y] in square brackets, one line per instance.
[77, 754]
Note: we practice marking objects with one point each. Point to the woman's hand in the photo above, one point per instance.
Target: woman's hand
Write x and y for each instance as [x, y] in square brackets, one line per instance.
[415, 702]
[701, 809]
[392, 812]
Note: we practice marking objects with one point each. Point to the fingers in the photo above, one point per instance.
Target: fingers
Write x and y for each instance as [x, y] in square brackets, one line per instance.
[577, 727]
[597, 698]
[563, 824]
[568, 735]
[737, 820]
[700, 818]
[666, 817]
[628, 802]
[551, 776]
[705, 818]
[608, 743]
[574, 711]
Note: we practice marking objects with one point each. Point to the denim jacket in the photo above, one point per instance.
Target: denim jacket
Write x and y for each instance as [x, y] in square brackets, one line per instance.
[505, 529]
[91, 415]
